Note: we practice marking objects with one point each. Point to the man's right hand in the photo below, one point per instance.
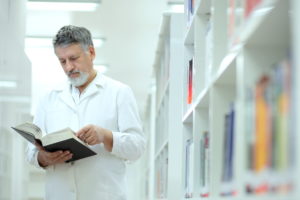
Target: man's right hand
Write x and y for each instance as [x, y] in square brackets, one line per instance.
[46, 158]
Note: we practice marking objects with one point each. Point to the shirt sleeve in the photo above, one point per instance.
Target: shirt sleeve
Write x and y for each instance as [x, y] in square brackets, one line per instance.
[129, 143]
[31, 150]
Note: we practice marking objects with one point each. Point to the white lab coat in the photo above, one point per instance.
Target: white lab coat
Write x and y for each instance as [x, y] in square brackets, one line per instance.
[106, 103]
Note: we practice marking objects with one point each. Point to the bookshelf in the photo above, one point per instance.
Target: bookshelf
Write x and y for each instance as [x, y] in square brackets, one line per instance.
[234, 115]
[15, 91]
[167, 120]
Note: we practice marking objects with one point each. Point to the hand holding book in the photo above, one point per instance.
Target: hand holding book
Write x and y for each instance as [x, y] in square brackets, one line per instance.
[57, 147]
[46, 158]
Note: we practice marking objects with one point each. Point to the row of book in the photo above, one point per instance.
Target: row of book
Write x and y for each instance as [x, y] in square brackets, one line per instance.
[191, 65]
[270, 131]
[238, 12]
[270, 139]
[237, 9]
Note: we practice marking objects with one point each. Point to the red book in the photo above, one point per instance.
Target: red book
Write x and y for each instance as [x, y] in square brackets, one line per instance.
[250, 5]
[190, 82]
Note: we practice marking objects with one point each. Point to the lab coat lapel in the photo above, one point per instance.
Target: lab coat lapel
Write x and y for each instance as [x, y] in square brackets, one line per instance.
[91, 90]
[66, 97]
[94, 87]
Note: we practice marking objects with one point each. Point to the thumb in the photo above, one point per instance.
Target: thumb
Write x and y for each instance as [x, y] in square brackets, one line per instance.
[39, 146]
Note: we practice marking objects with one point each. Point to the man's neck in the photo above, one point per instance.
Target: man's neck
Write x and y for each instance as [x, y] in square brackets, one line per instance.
[91, 78]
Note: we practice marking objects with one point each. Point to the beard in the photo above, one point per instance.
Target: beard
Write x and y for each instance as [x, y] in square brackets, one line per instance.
[80, 80]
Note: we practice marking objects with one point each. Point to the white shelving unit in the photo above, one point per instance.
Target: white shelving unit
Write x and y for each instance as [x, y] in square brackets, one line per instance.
[15, 71]
[168, 128]
[147, 161]
[228, 129]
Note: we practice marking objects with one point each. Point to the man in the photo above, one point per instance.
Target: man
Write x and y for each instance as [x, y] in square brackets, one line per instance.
[105, 116]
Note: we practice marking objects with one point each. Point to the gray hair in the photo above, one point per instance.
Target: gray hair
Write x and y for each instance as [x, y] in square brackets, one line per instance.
[68, 35]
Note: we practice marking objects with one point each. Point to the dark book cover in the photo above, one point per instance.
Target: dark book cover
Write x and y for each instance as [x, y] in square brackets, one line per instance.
[78, 150]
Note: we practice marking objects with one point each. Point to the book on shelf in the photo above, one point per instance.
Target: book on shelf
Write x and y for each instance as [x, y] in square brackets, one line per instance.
[250, 5]
[231, 18]
[234, 22]
[64, 140]
[189, 166]
[162, 176]
[228, 152]
[190, 85]
[204, 164]
[190, 9]
[208, 49]
[270, 142]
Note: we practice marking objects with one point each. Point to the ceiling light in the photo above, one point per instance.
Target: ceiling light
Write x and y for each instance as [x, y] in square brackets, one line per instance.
[46, 42]
[176, 6]
[63, 5]
[8, 84]
[101, 68]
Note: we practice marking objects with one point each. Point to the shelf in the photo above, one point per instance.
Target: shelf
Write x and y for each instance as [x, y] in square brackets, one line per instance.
[226, 75]
[163, 33]
[163, 95]
[189, 36]
[161, 149]
[202, 101]
[203, 8]
[188, 117]
[262, 29]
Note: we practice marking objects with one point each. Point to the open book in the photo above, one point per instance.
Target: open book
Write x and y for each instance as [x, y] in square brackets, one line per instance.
[60, 140]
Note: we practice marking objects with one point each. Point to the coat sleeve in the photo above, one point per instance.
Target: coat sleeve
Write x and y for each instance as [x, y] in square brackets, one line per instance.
[31, 150]
[129, 143]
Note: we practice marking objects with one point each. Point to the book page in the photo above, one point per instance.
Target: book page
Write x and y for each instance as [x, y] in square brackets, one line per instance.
[58, 136]
[30, 128]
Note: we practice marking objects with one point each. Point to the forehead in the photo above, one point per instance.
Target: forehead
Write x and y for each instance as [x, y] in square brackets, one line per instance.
[67, 51]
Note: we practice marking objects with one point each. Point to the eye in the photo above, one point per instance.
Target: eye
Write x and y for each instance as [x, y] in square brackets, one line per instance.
[62, 62]
[73, 58]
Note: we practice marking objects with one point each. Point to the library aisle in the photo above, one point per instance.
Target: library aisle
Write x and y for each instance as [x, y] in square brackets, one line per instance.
[223, 114]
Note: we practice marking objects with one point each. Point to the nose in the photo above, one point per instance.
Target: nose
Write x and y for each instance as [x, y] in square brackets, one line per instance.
[68, 66]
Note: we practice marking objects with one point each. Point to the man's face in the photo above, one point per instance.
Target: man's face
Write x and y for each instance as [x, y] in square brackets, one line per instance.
[76, 63]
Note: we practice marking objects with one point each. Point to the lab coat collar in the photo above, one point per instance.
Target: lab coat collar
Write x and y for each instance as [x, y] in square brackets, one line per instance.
[66, 96]
[93, 87]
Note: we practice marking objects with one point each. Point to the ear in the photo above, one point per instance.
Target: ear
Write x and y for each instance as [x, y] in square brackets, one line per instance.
[92, 52]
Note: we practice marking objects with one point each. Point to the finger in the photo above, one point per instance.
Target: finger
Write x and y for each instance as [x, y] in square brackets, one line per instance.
[86, 135]
[54, 155]
[93, 142]
[89, 138]
[83, 130]
[63, 157]
[39, 146]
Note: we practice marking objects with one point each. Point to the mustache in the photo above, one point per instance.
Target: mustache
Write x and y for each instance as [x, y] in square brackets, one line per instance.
[73, 72]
